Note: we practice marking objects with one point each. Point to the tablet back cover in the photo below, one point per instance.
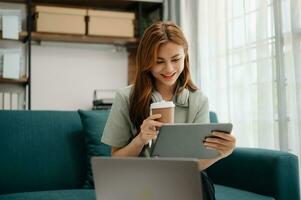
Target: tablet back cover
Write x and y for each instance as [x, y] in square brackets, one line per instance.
[186, 140]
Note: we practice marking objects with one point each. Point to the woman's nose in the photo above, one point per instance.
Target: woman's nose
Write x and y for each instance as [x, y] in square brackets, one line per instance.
[169, 67]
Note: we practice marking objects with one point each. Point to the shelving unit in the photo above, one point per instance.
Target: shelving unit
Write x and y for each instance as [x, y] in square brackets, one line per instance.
[14, 90]
[141, 8]
[56, 37]
[21, 81]
[104, 4]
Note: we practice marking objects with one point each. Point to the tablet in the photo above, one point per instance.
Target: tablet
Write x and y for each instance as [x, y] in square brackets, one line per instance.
[185, 140]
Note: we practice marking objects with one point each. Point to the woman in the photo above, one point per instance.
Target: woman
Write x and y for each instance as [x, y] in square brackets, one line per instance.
[163, 74]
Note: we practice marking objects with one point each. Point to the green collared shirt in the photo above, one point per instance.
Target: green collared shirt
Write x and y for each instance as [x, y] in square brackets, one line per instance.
[190, 107]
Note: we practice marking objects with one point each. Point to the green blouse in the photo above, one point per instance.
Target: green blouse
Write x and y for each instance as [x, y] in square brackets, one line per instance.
[190, 107]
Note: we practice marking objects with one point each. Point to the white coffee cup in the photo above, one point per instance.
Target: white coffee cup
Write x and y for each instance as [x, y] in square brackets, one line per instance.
[166, 109]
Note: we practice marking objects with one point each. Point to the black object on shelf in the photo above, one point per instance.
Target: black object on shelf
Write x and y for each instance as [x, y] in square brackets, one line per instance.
[102, 107]
[103, 99]
[101, 104]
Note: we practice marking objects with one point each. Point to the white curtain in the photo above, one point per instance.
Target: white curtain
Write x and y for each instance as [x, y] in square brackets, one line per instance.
[238, 62]
[246, 57]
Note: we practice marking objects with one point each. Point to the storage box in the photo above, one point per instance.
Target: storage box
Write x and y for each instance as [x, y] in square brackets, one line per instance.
[111, 23]
[60, 20]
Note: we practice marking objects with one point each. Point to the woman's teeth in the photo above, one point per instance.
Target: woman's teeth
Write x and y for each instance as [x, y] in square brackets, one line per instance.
[168, 76]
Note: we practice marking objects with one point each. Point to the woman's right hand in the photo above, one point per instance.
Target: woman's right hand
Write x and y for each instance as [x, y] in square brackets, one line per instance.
[148, 128]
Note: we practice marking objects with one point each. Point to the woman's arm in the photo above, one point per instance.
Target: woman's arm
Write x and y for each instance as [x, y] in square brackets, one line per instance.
[147, 133]
[133, 149]
[205, 163]
[223, 143]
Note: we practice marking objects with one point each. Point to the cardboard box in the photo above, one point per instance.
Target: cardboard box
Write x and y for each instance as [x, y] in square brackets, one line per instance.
[111, 23]
[60, 20]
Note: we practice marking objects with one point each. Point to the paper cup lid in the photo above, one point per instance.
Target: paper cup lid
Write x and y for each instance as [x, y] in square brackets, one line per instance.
[162, 104]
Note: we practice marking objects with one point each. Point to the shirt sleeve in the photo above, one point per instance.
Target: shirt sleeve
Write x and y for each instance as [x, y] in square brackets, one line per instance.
[202, 115]
[117, 131]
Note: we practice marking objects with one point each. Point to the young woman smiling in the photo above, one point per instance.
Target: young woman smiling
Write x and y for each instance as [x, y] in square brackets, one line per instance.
[163, 74]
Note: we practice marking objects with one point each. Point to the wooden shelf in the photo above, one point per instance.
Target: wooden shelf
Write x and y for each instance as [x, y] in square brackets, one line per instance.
[103, 4]
[22, 81]
[57, 37]
[9, 39]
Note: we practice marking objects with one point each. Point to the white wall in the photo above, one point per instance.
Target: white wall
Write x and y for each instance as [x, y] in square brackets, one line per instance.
[65, 75]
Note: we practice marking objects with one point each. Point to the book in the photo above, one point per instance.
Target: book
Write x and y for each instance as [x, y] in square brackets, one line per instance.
[14, 101]
[11, 65]
[1, 101]
[7, 101]
[10, 23]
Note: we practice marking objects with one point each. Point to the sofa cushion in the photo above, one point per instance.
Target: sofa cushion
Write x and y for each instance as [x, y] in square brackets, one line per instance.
[41, 150]
[229, 193]
[78, 194]
[93, 123]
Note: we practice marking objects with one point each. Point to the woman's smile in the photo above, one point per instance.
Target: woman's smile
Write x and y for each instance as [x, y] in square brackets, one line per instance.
[168, 76]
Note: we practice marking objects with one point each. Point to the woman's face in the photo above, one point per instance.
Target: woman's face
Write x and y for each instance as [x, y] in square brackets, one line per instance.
[169, 64]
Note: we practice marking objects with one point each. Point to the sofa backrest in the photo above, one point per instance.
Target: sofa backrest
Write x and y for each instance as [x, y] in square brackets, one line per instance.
[41, 150]
[213, 117]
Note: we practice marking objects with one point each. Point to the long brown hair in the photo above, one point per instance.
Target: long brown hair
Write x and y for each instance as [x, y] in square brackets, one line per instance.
[153, 37]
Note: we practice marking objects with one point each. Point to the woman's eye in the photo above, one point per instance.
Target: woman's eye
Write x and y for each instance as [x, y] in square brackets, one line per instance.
[175, 60]
[160, 62]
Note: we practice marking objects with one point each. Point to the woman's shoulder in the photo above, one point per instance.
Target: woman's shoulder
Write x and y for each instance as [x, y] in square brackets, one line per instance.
[124, 93]
[189, 98]
[197, 99]
[197, 94]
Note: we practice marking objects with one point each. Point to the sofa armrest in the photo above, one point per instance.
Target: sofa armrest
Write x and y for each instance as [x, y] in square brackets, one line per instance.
[262, 171]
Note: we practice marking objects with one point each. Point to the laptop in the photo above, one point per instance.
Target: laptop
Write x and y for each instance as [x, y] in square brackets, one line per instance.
[146, 179]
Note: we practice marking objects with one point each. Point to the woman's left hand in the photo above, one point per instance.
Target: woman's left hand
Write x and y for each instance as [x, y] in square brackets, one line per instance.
[223, 142]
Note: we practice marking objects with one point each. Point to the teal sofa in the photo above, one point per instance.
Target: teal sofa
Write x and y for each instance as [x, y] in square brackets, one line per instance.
[43, 157]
